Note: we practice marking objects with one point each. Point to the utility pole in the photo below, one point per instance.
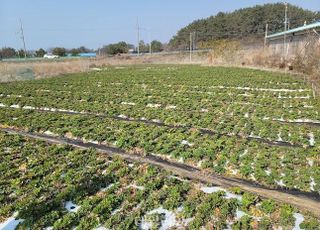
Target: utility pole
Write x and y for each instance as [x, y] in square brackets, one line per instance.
[138, 37]
[266, 35]
[22, 37]
[190, 48]
[150, 47]
[285, 30]
[194, 41]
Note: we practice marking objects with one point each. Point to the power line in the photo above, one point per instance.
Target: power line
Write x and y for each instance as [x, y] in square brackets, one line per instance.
[192, 43]
[138, 37]
[190, 48]
[285, 46]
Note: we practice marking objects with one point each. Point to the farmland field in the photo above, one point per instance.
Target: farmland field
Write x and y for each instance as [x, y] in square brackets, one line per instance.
[256, 126]
[60, 187]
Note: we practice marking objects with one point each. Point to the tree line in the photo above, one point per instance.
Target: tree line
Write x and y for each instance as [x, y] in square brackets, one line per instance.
[9, 52]
[111, 49]
[243, 24]
[123, 47]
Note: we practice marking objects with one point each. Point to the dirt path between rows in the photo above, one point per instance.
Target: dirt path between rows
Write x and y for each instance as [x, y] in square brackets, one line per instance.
[303, 201]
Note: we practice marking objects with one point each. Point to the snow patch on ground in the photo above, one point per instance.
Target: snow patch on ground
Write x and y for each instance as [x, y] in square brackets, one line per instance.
[153, 105]
[116, 83]
[268, 172]
[308, 106]
[15, 106]
[135, 186]
[299, 219]
[93, 142]
[312, 184]
[268, 89]
[310, 162]
[245, 152]
[234, 171]
[181, 160]
[178, 178]
[213, 189]
[254, 136]
[95, 69]
[116, 211]
[71, 207]
[7, 149]
[200, 163]
[128, 103]
[49, 133]
[168, 222]
[171, 106]
[239, 214]
[185, 222]
[11, 223]
[106, 188]
[185, 142]
[311, 140]
[305, 120]
[296, 97]
[28, 107]
[63, 110]
[122, 116]
[253, 177]
[156, 120]
[280, 183]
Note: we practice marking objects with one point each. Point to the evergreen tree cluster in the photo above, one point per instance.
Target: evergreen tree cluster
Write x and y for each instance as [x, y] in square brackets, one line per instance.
[243, 23]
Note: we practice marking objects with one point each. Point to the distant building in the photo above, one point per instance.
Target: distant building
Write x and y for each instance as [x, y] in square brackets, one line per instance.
[294, 41]
[50, 56]
[87, 54]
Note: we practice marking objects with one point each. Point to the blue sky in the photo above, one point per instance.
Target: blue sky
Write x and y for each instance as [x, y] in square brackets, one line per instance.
[93, 23]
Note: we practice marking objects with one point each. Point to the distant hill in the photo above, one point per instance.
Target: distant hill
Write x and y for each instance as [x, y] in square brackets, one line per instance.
[243, 23]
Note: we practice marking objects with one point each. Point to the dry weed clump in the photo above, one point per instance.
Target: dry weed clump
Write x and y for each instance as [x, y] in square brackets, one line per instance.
[58, 68]
[224, 51]
[308, 63]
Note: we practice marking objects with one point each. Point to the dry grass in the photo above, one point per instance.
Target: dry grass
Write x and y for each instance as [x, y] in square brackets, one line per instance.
[306, 64]
[10, 71]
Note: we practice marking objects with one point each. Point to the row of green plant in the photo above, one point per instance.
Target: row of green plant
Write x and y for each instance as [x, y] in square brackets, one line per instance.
[297, 167]
[39, 179]
[237, 120]
[138, 99]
